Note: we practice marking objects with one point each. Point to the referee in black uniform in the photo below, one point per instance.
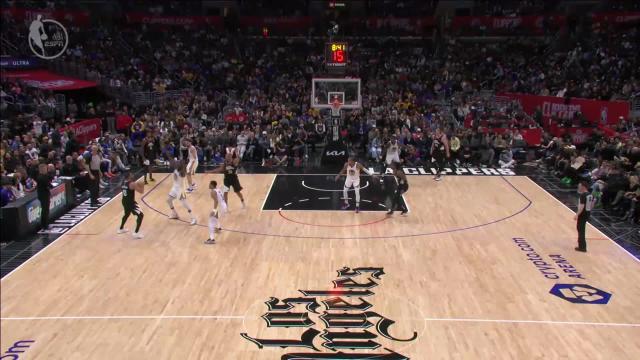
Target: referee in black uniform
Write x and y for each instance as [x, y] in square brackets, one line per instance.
[585, 204]
[402, 188]
[44, 194]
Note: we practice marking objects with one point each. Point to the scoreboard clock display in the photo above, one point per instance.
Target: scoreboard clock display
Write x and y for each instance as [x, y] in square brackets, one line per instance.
[337, 54]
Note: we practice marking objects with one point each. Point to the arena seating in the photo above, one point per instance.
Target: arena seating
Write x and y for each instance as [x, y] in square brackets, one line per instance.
[231, 87]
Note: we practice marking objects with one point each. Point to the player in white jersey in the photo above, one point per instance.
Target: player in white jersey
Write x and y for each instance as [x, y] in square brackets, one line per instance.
[352, 169]
[192, 166]
[178, 190]
[393, 151]
[219, 209]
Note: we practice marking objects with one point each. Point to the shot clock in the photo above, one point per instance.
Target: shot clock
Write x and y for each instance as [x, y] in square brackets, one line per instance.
[336, 54]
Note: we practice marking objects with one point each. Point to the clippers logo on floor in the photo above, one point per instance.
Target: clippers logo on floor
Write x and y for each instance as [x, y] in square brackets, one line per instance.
[73, 217]
[344, 307]
[449, 171]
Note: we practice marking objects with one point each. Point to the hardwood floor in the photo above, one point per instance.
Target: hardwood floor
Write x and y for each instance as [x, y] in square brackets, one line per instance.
[477, 270]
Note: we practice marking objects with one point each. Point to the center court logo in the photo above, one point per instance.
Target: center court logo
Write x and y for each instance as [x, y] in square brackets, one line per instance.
[48, 39]
[341, 321]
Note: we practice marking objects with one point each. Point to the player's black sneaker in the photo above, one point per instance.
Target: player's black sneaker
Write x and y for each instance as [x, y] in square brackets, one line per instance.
[390, 212]
[210, 241]
[403, 213]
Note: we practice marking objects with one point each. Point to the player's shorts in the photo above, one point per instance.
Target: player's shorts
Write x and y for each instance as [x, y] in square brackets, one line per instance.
[180, 195]
[221, 211]
[232, 182]
[391, 158]
[133, 209]
[192, 166]
[355, 182]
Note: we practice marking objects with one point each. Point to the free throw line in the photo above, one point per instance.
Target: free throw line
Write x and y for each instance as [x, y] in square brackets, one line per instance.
[240, 317]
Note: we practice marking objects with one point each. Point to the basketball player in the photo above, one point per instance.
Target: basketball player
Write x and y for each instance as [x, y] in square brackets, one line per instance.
[440, 149]
[230, 169]
[149, 152]
[219, 209]
[129, 188]
[192, 166]
[178, 190]
[402, 188]
[184, 149]
[393, 151]
[352, 169]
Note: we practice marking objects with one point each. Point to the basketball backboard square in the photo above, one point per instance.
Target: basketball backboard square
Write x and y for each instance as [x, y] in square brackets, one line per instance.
[324, 92]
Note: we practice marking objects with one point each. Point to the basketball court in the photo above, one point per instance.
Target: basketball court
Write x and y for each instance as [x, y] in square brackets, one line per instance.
[483, 267]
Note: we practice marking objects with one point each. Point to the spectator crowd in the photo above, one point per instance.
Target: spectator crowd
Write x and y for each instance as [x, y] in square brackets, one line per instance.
[252, 94]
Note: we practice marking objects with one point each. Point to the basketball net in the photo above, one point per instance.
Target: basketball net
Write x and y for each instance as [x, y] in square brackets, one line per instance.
[336, 105]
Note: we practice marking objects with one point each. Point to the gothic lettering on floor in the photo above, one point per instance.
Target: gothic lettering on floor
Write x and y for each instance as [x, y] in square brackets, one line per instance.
[343, 307]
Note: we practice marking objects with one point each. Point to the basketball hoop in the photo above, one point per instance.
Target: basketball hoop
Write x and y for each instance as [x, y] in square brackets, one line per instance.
[336, 105]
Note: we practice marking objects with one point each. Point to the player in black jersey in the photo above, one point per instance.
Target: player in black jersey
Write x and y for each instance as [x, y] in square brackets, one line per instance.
[230, 168]
[149, 151]
[439, 149]
[402, 188]
[184, 149]
[129, 188]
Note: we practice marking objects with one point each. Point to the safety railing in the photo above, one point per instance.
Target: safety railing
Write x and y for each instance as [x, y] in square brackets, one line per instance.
[635, 106]
[147, 98]
[114, 87]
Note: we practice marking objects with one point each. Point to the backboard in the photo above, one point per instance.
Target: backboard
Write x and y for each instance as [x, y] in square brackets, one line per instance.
[324, 91]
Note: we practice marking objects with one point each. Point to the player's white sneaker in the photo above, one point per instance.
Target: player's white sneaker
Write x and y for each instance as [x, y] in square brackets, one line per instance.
[122, 231]
[193, 221]
[173, 216]
[345, 206]
[137, 235]
[210, 241]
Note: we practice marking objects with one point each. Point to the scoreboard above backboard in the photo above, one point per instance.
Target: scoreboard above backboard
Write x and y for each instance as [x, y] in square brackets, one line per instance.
[336, 54]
